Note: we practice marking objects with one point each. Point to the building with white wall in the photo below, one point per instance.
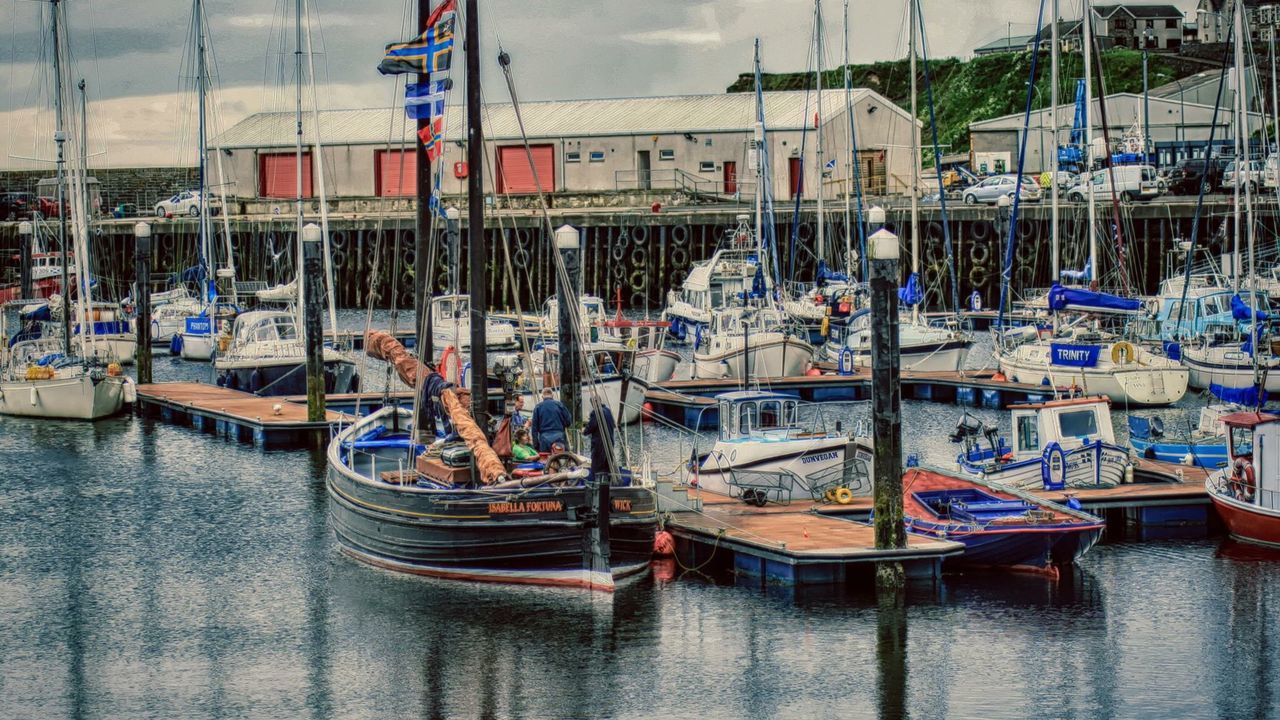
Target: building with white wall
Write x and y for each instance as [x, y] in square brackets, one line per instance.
[697, 143]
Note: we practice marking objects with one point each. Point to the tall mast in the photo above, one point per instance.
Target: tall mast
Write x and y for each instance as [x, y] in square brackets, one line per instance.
[1087, 36]
[475, 220]
[758, 158]
[1242, 151]
[915, 152]
[817, 129]
[848, 188]
[317, 175]
[206, 249]
[424, 280]
[60, 139]
[297, 151]
[1053, 159]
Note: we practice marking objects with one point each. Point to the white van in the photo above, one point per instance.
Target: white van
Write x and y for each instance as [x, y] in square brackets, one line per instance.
[1133, 182]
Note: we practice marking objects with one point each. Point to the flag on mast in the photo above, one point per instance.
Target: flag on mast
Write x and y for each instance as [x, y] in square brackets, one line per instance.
[432, 51]
[425, 100]
[432, 137]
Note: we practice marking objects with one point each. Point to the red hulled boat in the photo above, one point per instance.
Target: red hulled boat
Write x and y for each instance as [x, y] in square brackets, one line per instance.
[1247, 491]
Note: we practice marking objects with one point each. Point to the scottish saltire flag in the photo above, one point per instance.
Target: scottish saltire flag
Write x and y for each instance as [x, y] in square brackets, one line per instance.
[432, 137]
[432, 51]
[831, 164]
[425, 100]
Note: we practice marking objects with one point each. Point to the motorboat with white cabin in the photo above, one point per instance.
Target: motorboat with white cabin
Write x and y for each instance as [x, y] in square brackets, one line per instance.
[1066, 443]
[267, 356]
[713, 284]
[921, 347]
[451, 325]
[751, 342]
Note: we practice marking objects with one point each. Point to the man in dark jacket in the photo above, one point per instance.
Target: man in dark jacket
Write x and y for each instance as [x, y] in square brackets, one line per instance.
[600, 428]
[550, 420]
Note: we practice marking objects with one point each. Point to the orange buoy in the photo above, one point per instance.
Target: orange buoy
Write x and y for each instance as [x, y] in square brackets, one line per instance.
[813, 372]
[664, 545]
[664, 570]
[999, 377]
[646, 412]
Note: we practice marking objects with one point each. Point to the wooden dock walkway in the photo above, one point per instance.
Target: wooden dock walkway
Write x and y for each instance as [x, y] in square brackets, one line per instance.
[793, 544]
[267, 422]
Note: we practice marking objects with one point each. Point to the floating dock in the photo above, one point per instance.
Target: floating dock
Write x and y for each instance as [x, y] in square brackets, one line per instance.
[691, 403]
[267, 422]
[792, 544]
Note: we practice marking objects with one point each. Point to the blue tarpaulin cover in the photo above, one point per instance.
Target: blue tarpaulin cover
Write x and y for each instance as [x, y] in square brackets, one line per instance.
[826, 274]
[911, 294]
[1244, 396]
[1241, 311]
[1062, 298]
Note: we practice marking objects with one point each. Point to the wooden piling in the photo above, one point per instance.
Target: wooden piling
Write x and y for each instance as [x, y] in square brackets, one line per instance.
[313, 274]
[886, 404]
[142, 298]
[567, 289]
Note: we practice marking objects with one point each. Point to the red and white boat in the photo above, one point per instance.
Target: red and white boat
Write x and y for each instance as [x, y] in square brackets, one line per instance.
[46, 278]
[1247, 491]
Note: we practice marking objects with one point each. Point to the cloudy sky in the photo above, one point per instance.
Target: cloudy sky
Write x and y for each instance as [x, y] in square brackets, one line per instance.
[131, 54]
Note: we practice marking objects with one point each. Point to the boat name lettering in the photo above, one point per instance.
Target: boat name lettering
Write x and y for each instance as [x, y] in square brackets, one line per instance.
[528, 506]
[1074, 355]
[622, 505]
[830, 455]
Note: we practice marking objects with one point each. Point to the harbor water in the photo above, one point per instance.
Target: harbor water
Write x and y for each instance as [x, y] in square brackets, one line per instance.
[150, 571]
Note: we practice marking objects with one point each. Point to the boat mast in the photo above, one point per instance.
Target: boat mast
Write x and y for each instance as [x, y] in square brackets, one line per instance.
[297, 152]
[206, 250]
[758, 159]
[915, 152]
[1053, 159]
[317, 173]
[1087, 35]
[817, 74]
[475, 220]
[60, 139]
[1242, 155]
[848, 188]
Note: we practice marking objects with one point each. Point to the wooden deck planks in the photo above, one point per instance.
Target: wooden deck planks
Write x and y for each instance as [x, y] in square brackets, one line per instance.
[233, 404]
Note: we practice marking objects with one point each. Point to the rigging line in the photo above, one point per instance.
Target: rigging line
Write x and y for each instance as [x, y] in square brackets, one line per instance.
[1118, 231]
[855, 161]
[937, 161]
[804, 139]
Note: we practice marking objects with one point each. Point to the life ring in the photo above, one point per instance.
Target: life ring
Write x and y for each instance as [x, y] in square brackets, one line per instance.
[1243, 481]
[978, 276]
[979, 253]
[844, 495]
[829, 495]
[451, 352]
[1122, 353]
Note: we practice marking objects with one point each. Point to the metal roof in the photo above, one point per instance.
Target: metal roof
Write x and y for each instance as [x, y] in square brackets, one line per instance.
[1187, 112]
[554, 119]
[1139, 11]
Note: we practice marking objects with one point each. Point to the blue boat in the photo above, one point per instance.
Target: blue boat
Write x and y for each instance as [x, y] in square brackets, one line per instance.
[1000, 527]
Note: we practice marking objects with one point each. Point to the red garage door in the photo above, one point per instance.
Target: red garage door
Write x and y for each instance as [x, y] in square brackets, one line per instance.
[397, 172]
[277, 177]
[515, 174]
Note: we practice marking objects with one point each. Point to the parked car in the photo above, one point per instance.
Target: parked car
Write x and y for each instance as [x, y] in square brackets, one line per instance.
[1253, 177]
[1132, 182]
[1188, 176]
[17, 205]
[997, 186]
[186, 202]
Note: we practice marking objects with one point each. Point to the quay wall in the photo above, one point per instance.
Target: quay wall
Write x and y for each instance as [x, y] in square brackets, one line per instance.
[646, 254]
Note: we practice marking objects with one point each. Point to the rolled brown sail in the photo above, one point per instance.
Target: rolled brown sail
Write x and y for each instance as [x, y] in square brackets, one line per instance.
[487, 462]
[384, 346]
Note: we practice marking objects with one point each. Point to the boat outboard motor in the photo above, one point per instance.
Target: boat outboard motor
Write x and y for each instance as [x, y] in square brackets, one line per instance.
[1157, 427]
[992, 434]
[968, 427]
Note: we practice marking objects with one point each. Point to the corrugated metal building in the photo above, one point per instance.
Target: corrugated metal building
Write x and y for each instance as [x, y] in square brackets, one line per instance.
[1178, 129]
[693, 142]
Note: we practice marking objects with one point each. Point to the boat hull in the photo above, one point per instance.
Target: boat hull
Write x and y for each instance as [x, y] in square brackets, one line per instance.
[77, 398]
[1245, 521]
[114, 348]
[197, 346]
[1138, 386]
[610, 390]
[806, 457]
[538, 537]
[1205, 371]
[286, 376]
[949, 356]
[1095, 465]
[656, 365]
[767, 357]
[1210, 455]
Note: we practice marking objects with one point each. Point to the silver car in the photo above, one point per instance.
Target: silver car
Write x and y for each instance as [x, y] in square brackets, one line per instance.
[998, 186]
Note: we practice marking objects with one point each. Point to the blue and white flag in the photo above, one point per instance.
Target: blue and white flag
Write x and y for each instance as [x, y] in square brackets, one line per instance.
[831, 164]
[425, 100]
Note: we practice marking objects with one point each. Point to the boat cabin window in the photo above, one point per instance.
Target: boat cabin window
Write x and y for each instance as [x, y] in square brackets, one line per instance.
[1028, 431]
[1241, 441]
[747, 417]
[717, 295]
[1078, 423]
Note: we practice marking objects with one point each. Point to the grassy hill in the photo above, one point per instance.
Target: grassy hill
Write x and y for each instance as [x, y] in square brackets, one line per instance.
[982, 88]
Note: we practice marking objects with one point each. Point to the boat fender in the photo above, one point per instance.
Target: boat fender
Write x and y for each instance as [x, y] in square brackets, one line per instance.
[697, 335]
[978, 276]
[255, 381]
[1122, 353]
[355, 383]
[1243, 482]
[1053, 467]
[130, 391]
[826, 326]
[175, 344]
[844, 495]
[664, 545]
[841, 367]
[999, 377]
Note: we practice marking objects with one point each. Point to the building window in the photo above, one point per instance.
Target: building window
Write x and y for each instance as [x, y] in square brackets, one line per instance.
[597, 156]
[667, 154]
[1170, 24]
[573, 156]
[706, 166]
[707, 142]
[1151, 24]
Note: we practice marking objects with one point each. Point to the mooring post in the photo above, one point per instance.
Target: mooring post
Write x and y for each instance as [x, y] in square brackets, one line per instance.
[26, 235]
[313, 274]
[886, 401]
[568, 244]
[142, 300]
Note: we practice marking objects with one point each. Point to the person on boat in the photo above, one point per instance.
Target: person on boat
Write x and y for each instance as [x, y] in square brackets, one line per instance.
[550, 422]
[522, 450]
[600, 428]
[519, 419]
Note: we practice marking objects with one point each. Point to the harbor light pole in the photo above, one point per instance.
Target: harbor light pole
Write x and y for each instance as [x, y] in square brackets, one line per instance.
[313, 278]
[26, 231]
[142, 299]
[886, 400]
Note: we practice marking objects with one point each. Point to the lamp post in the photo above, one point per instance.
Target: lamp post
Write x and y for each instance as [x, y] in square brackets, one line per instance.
[142, 299]
[26, 231]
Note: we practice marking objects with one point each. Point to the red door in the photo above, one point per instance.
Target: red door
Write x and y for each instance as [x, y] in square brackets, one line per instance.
[730, 178]
[515, 174]
[797, 176]
[396, 173]
[277, 175]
